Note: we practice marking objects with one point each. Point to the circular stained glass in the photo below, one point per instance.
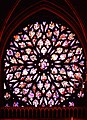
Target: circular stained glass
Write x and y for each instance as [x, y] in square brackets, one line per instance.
[44, 65]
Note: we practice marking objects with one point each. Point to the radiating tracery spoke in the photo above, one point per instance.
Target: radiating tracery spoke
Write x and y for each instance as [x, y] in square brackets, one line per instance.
[44, 66]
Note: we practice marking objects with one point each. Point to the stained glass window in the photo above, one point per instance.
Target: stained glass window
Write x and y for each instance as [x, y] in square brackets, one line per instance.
[44, 65]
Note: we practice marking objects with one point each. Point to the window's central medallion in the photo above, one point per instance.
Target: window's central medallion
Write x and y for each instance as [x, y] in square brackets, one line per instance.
[43, 64]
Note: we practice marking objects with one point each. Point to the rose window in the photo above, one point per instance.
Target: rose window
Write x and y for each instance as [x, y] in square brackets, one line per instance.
[44, 65]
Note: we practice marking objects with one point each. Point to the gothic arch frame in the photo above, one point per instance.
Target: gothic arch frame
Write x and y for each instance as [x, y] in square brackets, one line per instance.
[44, 5]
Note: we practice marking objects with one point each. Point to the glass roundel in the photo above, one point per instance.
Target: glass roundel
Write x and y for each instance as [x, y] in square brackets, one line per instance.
[44, 66]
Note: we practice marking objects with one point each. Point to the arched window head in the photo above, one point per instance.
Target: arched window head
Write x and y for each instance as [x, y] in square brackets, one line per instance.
[44, 65]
